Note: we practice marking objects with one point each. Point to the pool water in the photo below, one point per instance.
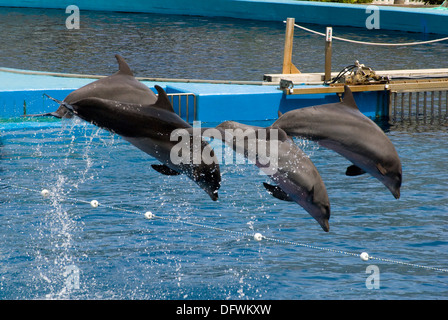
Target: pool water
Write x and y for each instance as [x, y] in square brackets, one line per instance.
[181, 47]
[60, 247]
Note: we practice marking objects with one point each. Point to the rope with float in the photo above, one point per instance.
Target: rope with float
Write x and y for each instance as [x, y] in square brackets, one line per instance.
[364, 256]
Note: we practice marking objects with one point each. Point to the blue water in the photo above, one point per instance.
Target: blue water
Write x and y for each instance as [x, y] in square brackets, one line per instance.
[59, 247]
[183, 47]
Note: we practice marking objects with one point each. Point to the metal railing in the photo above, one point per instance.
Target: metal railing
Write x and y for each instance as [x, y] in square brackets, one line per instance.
[182, 104]
[418, 105]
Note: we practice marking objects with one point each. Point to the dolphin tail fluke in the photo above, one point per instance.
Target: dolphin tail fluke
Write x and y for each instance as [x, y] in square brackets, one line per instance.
[54, 99]
[64, 111]
[48, 114]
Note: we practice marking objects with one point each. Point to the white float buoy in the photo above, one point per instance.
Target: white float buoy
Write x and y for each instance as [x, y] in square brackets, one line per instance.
[45, 193]
[149, 215]
[94, 203]
[258, 236]
[364, 256]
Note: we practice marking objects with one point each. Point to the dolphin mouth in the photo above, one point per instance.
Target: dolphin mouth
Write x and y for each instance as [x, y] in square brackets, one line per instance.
[213, 194]
[324, 224]
[396, 193]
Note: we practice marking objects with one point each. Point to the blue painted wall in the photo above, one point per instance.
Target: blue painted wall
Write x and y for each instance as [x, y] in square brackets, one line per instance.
[329, 14]
[373, 104]
[17, 103]
[243, 104]
[214, 102]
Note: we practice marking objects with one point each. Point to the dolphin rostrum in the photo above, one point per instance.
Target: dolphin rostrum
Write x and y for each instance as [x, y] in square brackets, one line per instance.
[276, 154]
[342, 128]
[149, 128]
[121, 86]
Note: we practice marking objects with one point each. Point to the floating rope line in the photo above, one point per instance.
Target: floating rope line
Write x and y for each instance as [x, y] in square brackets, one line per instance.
[257, 236]
[372, 43]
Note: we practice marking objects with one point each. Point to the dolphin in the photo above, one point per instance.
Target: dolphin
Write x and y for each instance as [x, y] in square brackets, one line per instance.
[342, 128]
[276, 154]
[149, 128]
[121, 86]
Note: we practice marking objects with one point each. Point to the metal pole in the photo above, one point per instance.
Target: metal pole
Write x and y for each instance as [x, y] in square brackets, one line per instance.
[328, 40]
[417, 107]
[395, 106]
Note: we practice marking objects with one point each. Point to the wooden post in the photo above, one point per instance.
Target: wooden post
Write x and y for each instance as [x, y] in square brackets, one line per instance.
[328, 40]
[417, 106]
[288, 66]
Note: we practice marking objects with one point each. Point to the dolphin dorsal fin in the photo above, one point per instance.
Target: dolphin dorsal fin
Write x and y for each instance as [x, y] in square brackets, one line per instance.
[348, 99]
[163, 102]
[123, 67]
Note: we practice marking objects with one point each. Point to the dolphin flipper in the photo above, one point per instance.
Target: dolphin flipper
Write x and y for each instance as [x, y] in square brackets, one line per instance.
[353, 171]
[163, 169]
[277, 192]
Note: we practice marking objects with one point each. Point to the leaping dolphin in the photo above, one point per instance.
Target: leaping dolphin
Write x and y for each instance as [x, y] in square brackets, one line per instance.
[121, 86]
[149, 128]
[342, 128]
[296, 177]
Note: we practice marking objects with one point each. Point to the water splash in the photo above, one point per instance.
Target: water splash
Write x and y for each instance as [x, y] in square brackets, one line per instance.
[58, 260]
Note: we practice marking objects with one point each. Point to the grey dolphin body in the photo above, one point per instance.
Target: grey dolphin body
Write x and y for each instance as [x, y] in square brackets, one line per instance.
[121, 86]
[342, 128]
[296, 177]
[149, 128]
